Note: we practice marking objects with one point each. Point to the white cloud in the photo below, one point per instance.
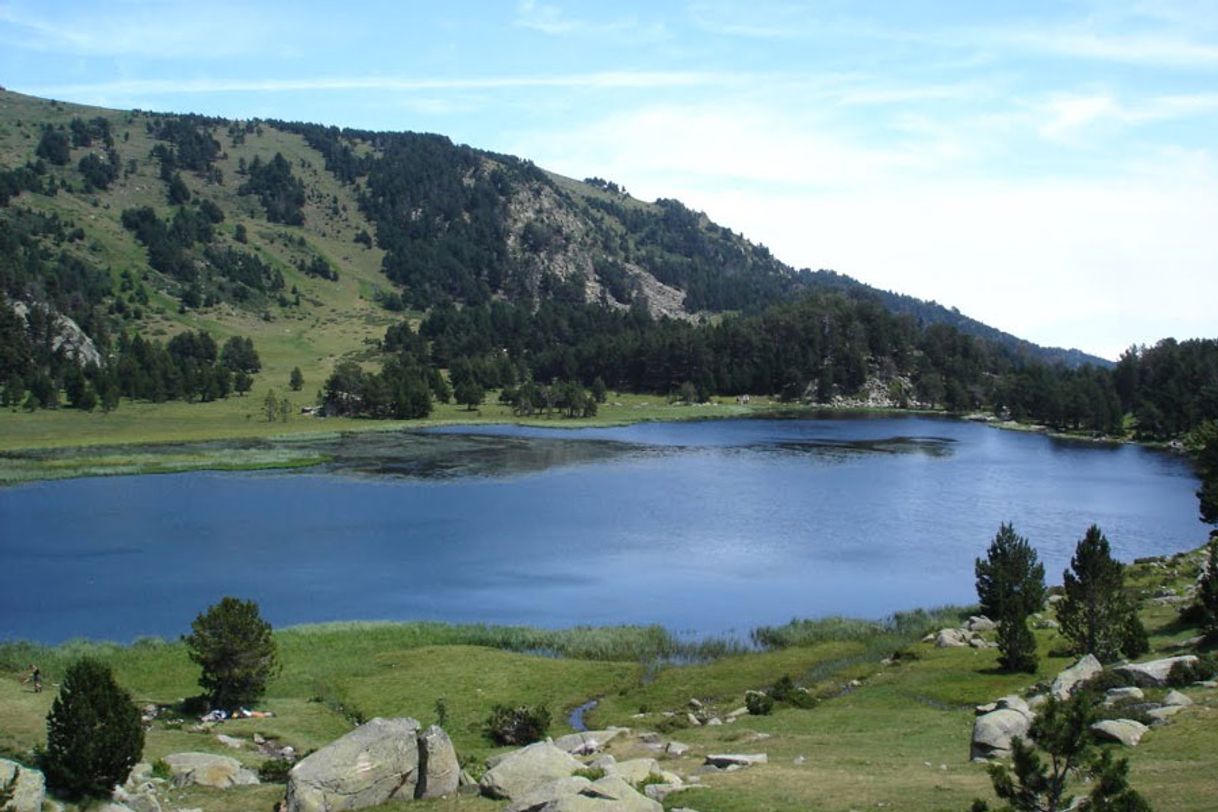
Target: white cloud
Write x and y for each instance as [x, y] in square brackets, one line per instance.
[548, 18]
[1093, 262]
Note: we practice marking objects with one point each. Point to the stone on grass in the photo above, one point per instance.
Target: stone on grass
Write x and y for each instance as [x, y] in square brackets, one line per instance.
[30, 789]
[375, 763]
[953, 638]
[1174, 698]
[725, 760]
[1126, 731]
[522, 770]
[1065, 683]
[207, 770]
[1152, 674]
[1163, 715]
[676, 749]
[538, 797]
[980, 623]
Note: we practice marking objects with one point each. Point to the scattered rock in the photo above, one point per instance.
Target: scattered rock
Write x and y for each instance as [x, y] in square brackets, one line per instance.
[603, 762]
[714, 721]
[207, 770]
[539, 797]
[1176, 698]
[1152, 674]
[1126, 731]
[658, 792]
[724, 761]
[695, 704]
[522, 770]
[676, 749]
[30, 789]
[1083, 670]
[953, 638]
[229, 741]
[1164, 714]
[375, 763]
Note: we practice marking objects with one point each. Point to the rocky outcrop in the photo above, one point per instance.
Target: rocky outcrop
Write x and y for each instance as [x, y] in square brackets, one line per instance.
[636, 770]
[375, 763]
[521, 771]
[736, 761]
[29, 790]
[66, 336]
[207, 770]
[1083, 670]
[1152, 674]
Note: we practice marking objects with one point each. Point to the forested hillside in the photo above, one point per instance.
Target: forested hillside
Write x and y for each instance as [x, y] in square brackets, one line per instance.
[137, 248]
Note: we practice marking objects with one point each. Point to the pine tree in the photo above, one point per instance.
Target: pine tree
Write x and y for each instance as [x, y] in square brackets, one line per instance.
[1207, 591]
[1016, 645]
[234, 647]
[1011, 578]
[1095, 615]
[1063, 731]
[94, 733]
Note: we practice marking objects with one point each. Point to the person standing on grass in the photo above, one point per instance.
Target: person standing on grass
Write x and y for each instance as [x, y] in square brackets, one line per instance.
[35, 677]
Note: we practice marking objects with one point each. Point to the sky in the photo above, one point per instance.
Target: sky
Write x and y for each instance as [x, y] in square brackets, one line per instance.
[1046, 167]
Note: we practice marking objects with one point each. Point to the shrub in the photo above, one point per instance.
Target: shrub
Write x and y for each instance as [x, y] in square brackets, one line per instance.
[1186, 673]
[759, 703]
[591, 773]
[274, 771]
[517, 725]
[94, 733]
[234, 647]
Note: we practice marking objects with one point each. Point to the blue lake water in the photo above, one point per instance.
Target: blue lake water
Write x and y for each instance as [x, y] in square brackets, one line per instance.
[704, 527]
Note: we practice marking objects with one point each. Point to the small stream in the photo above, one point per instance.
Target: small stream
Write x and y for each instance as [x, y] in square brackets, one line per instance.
[576, 719]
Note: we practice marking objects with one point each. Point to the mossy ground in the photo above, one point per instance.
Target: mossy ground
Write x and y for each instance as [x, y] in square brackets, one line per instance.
[898, 739]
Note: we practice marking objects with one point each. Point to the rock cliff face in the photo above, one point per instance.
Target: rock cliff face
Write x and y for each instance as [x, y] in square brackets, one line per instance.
[67, 337]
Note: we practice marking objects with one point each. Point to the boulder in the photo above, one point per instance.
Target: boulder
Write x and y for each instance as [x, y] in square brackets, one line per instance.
[587, 742]
[1081, 671]
[375, 763]
[1175, 698]
[980, 623]
[1126, 731]
[439, 770]
[207, 770]
[1163, 715]
[523, 770]
[725, 760]
[993, 732]
[229, 741]
[1115, 695]
[636, 770]
[1152, 674]
[30, 789]
[953, 638]
[539, 797]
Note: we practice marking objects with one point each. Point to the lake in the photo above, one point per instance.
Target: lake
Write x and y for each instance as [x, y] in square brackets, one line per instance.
[706, 527]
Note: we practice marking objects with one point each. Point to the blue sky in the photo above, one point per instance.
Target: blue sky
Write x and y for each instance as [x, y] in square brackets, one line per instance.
[1048, 168]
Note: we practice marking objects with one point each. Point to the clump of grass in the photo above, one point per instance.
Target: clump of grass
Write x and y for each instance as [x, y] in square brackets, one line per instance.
[591, 773]
[900, 628]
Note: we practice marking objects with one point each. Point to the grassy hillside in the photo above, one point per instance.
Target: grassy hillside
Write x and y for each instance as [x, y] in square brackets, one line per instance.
[882, 735]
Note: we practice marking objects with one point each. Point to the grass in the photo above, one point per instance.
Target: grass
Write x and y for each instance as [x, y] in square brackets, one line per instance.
[883, 735]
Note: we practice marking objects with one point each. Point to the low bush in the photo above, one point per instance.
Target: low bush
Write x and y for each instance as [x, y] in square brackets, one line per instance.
[759, 703]
[522, 724]
[1186, 673]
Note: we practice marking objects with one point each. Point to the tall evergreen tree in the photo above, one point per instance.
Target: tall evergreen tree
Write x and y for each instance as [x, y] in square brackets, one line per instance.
[94, 733]
[1011, 577]
[1095, 615]
[234, 647]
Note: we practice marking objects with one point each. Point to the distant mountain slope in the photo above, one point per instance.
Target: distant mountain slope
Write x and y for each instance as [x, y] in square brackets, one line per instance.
[309, 237]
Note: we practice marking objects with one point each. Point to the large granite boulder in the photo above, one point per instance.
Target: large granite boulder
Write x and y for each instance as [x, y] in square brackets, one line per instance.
[548, 793]
[439, 770]
[525, 769]
[1154, 673]
[30, 788]
[375, 763]
[1126, 731]
[1072, 677]
[207, 770]
[636, 770]
[609, 794]
[993, 732]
